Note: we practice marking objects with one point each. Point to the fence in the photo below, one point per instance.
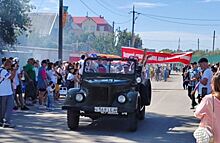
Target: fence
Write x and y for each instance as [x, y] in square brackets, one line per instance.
[25, 52]
[212, 58]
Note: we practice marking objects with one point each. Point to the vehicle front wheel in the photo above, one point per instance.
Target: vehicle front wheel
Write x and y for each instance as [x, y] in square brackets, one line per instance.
[72, 119]
[132, 122]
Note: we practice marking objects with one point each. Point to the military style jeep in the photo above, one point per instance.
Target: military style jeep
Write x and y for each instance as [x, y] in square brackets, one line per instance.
[109, 87]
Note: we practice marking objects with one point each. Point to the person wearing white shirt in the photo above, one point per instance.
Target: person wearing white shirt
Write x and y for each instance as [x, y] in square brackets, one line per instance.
[70, 78]
[17, 87]
[6, 93]
[51, 73]
[81, 63]
[205, 81]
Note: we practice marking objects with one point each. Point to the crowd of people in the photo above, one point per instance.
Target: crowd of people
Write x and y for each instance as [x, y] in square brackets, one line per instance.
[202, 80]
[159, 72]
[34, 84]
[197, 79]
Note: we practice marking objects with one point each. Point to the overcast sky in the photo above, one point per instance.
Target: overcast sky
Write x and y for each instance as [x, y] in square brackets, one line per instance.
[160, 22]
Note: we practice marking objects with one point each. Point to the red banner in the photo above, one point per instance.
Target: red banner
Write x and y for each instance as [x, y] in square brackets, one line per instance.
[156, 57]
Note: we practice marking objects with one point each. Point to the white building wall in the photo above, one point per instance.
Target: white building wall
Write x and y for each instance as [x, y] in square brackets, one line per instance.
[89, 26]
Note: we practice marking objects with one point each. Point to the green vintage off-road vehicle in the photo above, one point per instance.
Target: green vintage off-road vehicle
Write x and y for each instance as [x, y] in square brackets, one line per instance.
[109, 87]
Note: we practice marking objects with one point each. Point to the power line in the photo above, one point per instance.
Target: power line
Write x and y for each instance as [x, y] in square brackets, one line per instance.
[98, 14]
[168, 41]
[89, 8]
[183, 23]
[190, 42]
[112, 4]
[110, 10]
[178, 18]
[124, 22]
[118, 23]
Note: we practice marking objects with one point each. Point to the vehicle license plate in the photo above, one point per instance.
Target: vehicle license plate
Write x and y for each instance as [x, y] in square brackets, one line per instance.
[108, 110]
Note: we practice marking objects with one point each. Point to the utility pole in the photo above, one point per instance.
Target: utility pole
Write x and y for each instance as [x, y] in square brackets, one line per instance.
[113, 34]
[60, 42]
[113, 27]
[213, 46]
[178, 50]
[133, 23]
[198, 44]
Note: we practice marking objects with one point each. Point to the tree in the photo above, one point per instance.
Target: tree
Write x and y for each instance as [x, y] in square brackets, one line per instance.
[123, 38]
[107, 44]
[14, 20]
[104, 44]
[166, 51]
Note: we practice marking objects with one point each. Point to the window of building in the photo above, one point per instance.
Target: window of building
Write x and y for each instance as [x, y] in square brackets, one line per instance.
[85, 28]
[102, 28]
[92, 28]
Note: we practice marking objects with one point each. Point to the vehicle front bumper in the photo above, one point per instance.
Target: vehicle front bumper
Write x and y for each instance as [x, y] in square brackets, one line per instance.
[90, 109]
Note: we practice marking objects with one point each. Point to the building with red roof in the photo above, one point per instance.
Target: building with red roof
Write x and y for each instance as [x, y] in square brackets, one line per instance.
[97, 25]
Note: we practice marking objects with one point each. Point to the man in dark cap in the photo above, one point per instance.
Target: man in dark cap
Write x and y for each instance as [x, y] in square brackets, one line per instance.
[203, 60]
[205, 81]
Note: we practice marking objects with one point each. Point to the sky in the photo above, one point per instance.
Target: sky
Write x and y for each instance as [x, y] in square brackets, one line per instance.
[160, 23]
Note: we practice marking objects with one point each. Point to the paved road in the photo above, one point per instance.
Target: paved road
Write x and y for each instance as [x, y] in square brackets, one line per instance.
[168, 120]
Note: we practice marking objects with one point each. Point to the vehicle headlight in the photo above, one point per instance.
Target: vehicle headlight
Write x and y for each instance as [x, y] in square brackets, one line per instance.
[121, 99]
[138, 80]
[79, 97]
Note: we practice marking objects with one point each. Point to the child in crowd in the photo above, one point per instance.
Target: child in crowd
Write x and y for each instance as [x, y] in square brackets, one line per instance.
[50, 95]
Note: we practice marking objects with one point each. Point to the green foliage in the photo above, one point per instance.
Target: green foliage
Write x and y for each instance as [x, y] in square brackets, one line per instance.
[123, 38]
[213, 57]
[166, 51]
[13, 20]
[104, 44]
[96, 43]
[107, 44]
[138, 42]
[88, 42]
[206, 53]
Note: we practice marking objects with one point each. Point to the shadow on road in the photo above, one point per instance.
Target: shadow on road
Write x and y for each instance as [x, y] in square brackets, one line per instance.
[154, 129]
[51, 127]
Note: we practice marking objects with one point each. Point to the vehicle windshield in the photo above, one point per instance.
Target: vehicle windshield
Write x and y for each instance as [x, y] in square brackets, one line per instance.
[109, 66]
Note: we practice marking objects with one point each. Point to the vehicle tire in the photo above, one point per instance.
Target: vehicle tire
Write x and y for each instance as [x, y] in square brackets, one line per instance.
[142, 114]
[72, 119]
[132, 122]
[149, 91]
[145, 92]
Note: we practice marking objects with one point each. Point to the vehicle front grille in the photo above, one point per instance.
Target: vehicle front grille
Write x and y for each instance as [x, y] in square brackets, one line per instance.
[98, 96]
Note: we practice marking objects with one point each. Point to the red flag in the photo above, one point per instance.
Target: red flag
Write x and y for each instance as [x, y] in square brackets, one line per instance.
[156, 57]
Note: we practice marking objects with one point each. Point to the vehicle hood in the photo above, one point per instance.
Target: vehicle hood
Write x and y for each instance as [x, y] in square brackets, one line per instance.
[104, 91]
